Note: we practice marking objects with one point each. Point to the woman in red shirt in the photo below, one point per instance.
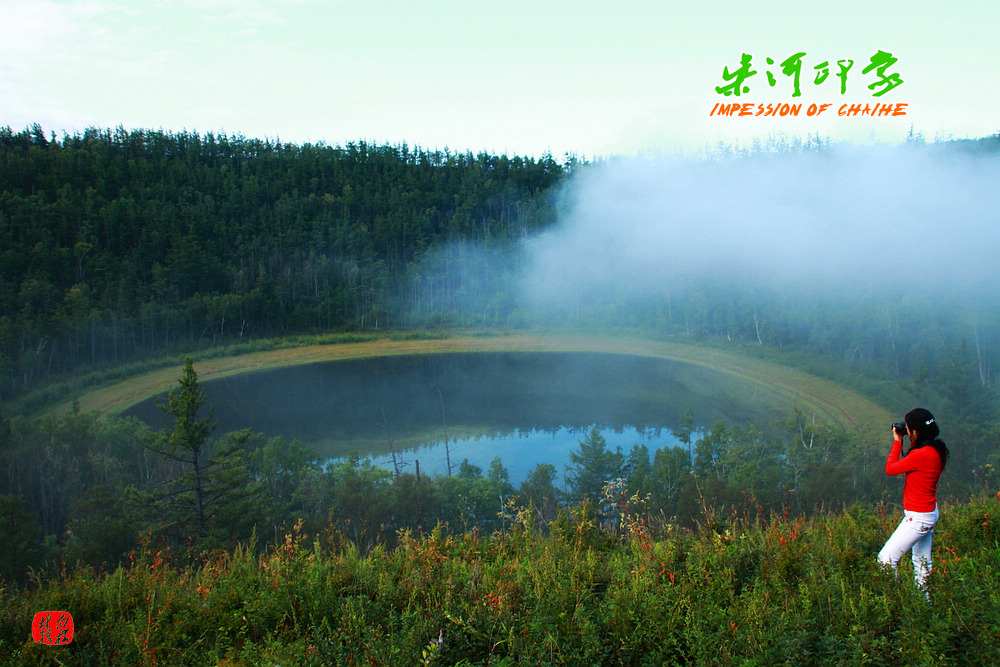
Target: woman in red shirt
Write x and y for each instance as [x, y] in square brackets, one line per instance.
[922, 466]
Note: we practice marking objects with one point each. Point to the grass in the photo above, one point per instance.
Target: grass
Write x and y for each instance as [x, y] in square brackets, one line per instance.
[576, 591]
[775, 383]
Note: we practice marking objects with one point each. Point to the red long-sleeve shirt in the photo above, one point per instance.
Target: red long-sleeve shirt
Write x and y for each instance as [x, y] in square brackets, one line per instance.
[923, 468]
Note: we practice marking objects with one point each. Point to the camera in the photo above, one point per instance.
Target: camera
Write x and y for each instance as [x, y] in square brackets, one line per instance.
[899, 427]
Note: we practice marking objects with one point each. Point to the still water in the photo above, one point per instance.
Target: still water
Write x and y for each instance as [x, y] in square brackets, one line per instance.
[527, 408]
[521, 452]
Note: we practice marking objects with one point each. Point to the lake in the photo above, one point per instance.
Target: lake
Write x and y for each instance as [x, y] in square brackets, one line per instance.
[525, 407]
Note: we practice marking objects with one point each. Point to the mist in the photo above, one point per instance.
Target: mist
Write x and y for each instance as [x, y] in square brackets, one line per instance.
[842, 222]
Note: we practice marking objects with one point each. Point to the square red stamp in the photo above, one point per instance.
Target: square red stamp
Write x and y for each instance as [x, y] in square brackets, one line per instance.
[52, 627]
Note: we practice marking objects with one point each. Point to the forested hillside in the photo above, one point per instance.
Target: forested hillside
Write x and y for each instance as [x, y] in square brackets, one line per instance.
[116, 244]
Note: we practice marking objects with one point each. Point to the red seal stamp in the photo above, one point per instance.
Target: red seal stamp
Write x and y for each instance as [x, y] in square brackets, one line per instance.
[52, 627]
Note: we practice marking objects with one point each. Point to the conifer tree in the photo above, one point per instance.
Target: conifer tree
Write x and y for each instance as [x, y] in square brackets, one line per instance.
[187, 441]
[593, 465]
[215, 483]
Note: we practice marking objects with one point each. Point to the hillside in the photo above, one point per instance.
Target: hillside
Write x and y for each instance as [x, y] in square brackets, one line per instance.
[118, 245]
[620, 588]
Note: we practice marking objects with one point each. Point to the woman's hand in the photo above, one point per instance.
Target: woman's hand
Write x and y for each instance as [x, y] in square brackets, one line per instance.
[896, 435]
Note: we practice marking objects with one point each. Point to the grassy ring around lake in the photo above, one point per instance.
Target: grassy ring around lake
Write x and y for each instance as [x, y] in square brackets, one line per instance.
[816, 397]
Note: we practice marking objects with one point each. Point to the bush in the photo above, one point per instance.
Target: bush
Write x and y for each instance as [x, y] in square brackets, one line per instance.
[781, 591]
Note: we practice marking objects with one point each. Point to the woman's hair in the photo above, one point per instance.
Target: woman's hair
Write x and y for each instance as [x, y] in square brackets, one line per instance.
[922, 422]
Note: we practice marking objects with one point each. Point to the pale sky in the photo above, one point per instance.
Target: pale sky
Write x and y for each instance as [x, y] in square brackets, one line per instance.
[506, 76]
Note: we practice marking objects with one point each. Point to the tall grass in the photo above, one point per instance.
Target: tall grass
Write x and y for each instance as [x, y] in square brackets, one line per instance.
[579, 590]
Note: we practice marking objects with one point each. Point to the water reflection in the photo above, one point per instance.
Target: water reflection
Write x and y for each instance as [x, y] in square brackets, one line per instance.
[520, 451]
[525, 407]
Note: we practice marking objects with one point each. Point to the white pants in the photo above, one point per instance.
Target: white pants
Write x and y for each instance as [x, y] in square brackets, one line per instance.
[913, 534]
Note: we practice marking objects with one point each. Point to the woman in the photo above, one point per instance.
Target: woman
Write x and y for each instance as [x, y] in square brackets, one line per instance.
[922, 466]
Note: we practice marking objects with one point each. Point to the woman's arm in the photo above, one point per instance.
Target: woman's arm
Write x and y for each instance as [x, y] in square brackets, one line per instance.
[921, 458]
[892, 463]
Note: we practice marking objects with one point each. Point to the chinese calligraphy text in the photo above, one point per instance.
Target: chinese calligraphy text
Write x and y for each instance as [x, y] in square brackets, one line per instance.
[737, 80]
[52, 627]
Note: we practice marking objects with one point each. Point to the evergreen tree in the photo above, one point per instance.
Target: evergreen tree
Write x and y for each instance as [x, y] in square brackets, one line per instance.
[212, 485]
[592, 465]
[539, 491]
[670, 473]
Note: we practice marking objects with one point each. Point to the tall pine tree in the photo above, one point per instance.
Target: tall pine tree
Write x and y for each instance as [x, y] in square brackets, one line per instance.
[215, 483]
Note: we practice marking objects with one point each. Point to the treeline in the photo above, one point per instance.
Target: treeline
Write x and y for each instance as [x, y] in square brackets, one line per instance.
[75, 488]
[115, 244]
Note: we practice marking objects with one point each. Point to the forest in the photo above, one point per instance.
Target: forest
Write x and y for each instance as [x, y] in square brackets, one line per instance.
[117, 245]
[122, 249]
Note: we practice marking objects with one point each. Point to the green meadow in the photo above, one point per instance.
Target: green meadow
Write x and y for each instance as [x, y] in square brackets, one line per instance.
[616, 587]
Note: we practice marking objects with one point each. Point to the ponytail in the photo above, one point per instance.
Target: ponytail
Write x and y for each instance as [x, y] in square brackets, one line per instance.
[922, 422]
[942, 450]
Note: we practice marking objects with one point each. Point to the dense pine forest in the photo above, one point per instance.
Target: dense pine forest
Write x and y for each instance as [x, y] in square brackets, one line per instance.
[126, 247]
[119, 245]
[115, 244]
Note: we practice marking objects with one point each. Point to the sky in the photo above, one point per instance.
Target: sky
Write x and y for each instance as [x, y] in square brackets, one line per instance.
[580, 78]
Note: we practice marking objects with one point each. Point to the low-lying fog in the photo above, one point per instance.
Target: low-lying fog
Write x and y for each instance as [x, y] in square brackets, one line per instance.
[843, 221]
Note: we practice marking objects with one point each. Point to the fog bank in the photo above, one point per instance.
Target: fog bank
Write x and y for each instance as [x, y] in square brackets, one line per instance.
[844, 220]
